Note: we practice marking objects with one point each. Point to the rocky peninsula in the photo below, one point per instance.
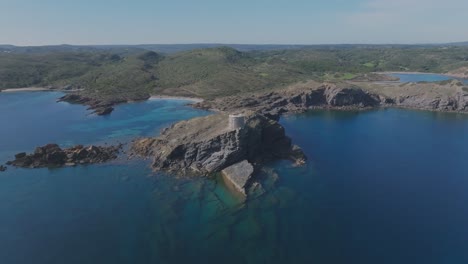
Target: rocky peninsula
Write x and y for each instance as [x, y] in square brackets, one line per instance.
[210, 144]
[298, 98]
[99, 107]
[51, 155]
[448, 96]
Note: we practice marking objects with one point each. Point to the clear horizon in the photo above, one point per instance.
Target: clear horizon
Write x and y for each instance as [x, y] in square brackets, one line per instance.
[260, 22]
[254, 44]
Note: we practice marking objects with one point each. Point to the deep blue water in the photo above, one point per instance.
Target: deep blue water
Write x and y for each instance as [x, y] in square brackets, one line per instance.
[424, 77]
[383, 186]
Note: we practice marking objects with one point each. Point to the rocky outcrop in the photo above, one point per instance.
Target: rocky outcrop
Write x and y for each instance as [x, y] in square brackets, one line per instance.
[99, 107]
[3, 168]
[451, 103]
[444, 96]
[443, 104]
[238, 175]
[206, 145]
[300, 99]
[51, 155]
[459, 73]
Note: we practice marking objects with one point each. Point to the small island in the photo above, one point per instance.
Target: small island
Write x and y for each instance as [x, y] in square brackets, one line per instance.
[51, 155]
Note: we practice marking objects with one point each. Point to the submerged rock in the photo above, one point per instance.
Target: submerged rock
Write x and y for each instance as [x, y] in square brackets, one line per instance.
[51, 155]
[3, 168]
[104, 110]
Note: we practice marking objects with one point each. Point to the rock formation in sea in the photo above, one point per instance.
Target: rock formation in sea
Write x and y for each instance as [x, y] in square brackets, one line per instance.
[99, 107]
[51, 155]
[208, 144]
[239, 175]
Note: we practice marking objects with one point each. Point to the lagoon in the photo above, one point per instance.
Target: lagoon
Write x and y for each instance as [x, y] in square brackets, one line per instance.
[424, 77]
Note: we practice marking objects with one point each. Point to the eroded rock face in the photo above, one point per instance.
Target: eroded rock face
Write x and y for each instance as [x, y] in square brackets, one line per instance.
[206, 145]
[457, 102]
[99, 107]
[446, 96]
[51, 155]
[273, 104]
[239, 175]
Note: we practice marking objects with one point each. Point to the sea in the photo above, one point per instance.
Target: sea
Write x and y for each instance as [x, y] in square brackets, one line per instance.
[380, 186]
[425, 77]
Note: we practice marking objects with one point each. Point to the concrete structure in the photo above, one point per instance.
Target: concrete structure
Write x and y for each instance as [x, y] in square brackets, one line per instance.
[236, 121]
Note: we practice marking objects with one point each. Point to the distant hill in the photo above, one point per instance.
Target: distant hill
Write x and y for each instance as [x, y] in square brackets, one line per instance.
[458, 44]
[134, 72]
[175, 48]
[161, 48]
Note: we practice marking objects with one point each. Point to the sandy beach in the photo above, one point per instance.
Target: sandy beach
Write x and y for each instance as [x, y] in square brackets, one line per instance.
[29, 89]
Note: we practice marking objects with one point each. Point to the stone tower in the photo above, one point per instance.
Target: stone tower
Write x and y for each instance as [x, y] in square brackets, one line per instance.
[236, 121]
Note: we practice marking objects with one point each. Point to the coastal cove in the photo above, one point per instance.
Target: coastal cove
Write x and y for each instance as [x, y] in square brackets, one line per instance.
[410, 203]
[424, 77]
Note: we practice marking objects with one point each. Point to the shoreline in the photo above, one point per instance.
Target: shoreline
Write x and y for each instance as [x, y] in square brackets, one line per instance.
[167, 97]
[26, 89]
[404, 72]
[425, 73]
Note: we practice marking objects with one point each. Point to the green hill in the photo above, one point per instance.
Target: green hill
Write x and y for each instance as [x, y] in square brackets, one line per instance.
[213, 72]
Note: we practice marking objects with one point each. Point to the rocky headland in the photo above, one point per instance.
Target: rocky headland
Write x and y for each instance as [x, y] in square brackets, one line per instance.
[51, 155]
[209, 144]
[98, 106]
[459, 73]
[296, 99]
[444, 96]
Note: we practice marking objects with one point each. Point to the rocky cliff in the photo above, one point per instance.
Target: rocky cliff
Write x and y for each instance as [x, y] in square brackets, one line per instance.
[445, 96]
[298, 99]
[459, 73]
[99, 107]
[206, 145]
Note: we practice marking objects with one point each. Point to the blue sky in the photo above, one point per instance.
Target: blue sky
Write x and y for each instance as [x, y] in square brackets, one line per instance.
[43, 22]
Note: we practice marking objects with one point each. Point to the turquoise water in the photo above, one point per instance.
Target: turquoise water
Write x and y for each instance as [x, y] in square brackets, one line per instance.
[424, 77]
[384, 186]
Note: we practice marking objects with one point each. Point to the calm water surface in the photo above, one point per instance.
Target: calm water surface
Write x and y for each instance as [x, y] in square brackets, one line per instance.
[384, 186]
[424, 77]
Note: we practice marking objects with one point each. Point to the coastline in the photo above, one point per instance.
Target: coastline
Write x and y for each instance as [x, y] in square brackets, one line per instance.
[427, 73]
[167, 97]
[406, 72]
[26, 89]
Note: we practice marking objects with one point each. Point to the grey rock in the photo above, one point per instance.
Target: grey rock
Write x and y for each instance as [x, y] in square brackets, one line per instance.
[452, 96]
[206, 145]
[273, 104]
[239, 175]
[51, 155]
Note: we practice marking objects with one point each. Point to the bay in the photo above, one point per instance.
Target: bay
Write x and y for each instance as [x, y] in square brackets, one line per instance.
[380, 186]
